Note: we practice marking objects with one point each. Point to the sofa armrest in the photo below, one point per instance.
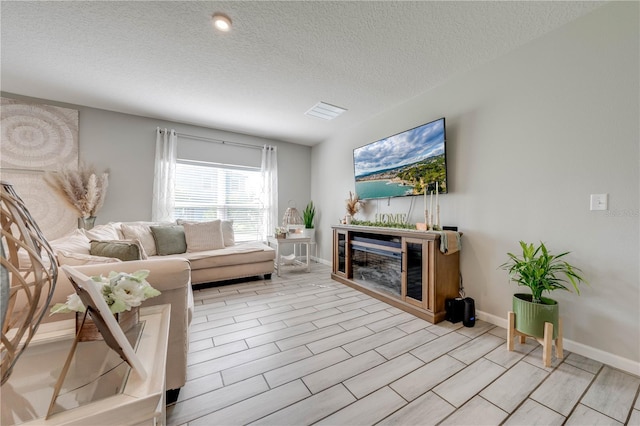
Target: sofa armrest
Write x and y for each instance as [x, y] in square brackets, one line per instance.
[172, 277]
[164, 274]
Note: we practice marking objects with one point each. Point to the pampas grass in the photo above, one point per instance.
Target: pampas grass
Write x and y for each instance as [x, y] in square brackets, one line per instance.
[353, 203]
[81, 189]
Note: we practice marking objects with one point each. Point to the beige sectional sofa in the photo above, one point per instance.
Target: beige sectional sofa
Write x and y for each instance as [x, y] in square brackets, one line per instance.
[172, 274]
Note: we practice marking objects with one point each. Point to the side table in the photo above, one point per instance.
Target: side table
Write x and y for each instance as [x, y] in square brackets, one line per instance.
[99, 388]
[281, 242]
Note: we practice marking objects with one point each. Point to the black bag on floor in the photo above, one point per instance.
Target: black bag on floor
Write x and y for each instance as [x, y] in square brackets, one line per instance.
[454, 309]
[469, 319]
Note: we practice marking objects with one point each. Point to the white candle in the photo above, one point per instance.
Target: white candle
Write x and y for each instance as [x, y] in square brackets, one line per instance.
[425, 198]
[431, 202]
[437, 220]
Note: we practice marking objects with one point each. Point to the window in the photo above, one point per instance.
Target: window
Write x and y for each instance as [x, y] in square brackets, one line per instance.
[207, 191]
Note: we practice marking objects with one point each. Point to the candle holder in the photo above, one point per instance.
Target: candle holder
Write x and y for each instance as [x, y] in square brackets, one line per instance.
[424, 226]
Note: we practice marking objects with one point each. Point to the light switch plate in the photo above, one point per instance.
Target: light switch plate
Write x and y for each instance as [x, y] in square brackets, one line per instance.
[599, 202]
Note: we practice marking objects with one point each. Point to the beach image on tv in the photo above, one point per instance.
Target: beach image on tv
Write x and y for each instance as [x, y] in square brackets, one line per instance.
[404, 164]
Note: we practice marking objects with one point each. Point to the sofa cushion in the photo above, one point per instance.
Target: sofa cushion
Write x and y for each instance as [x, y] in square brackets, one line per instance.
[228, 234]
[239, 254]
[77, 259]
[202, 236]
[76, 242]
[118, 225]
[169, 239]
[120, 249]
[142, 233]
[102, 232]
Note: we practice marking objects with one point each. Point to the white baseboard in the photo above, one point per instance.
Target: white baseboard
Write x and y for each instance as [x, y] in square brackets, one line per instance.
[610, 359]
[495, 320]
[323, 261]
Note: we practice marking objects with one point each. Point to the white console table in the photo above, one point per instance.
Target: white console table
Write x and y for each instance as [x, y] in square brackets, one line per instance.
[296, 264]
[99, 387]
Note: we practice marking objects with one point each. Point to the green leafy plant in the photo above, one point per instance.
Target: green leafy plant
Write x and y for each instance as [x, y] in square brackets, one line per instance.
[383, 224]
[542, 271]
[308, 214]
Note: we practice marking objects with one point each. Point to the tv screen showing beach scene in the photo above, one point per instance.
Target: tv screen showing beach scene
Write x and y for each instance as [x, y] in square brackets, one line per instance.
[408, 163]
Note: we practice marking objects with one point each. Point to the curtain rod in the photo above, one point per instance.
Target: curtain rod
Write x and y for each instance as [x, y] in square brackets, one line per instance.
[220, 141]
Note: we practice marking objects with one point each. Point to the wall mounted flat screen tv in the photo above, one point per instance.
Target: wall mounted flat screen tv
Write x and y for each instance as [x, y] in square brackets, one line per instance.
[404, 164]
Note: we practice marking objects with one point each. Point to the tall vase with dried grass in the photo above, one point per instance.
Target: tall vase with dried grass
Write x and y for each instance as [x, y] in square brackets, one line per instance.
[83, 190]
[353, 204]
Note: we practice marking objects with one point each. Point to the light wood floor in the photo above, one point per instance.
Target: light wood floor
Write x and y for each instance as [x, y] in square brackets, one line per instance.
[304, 349]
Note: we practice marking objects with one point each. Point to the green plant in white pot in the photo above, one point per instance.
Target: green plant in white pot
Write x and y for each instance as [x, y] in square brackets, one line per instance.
[541, 271]
[308, 214]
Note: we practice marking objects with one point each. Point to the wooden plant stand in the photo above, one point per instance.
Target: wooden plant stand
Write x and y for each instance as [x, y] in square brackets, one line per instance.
[547, 341]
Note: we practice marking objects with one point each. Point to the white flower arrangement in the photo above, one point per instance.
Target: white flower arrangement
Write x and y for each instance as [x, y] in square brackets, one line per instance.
[120, 290]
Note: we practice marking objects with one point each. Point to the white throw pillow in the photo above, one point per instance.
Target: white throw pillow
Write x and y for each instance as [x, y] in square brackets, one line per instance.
[202, 236]
[141, 233]
[102, 232]
[76, 242]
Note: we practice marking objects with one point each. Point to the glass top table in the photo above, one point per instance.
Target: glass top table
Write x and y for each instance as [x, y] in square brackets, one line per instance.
[96, 373]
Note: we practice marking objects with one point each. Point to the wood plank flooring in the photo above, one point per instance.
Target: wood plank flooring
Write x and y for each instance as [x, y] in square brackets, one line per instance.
[303, 349]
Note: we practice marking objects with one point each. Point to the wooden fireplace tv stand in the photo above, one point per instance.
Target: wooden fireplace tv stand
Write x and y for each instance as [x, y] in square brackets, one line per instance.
[402, 267]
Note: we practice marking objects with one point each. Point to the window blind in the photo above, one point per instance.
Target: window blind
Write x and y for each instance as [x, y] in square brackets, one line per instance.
[207, 191]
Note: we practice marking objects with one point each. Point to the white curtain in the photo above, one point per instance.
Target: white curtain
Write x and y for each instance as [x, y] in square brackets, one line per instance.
[269, 171]
[164, 181]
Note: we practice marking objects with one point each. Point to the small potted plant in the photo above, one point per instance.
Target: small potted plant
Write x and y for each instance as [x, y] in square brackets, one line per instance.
[280, 232]
[541, 271]
[308, 215]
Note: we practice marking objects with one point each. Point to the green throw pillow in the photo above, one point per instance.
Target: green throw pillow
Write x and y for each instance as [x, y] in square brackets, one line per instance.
[169, 239]
[120, 249]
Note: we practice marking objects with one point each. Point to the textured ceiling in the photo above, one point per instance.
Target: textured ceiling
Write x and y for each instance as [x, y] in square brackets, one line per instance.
[164, 60]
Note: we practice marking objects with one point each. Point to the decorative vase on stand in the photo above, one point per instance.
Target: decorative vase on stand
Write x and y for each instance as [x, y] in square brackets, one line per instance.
[348, 218]
[86, 222]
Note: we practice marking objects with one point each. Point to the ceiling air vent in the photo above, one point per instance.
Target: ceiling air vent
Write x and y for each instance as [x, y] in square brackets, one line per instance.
[325, 111]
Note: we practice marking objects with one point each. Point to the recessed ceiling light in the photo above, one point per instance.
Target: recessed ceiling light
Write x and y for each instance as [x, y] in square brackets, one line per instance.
[325, 111]
[221, 22]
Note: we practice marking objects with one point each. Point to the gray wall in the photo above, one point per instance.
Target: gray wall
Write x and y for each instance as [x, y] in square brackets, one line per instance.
[530, 136]
[125, 145]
